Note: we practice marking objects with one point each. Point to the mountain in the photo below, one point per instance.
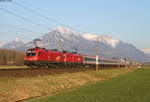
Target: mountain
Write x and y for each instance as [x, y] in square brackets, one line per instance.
[13, 44]
[117, 48]
[66, 39]
[1, 44]
[102, 38]
[146, 51]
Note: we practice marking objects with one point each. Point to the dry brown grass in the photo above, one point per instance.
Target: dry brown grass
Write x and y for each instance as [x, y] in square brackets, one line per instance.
[13, 89]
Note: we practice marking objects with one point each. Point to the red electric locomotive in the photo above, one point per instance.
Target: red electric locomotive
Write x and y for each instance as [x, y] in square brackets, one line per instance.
[38, 57]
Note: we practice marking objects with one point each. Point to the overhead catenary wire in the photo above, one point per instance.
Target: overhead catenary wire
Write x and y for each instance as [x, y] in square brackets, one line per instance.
[43, 16]
[37, 13]
[26, 19]
[9, 33]
[19, 28]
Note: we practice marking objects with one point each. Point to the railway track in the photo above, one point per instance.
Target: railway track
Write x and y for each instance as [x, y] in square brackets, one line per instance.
[28, 72]
[31, 72]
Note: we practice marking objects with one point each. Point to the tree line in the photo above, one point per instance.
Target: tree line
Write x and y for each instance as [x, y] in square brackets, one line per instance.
[11, 57]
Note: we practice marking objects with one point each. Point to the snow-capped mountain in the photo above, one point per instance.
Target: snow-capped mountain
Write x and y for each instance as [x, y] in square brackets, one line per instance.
[110, 47]
[14, 44]
[66, 39]
[102, 38]
[1, 44]
[146, 50]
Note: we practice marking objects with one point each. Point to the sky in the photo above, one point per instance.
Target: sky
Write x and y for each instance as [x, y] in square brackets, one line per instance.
[126, 20]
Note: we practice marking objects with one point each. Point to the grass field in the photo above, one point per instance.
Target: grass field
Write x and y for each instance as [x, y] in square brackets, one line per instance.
[132, 87]
[14, 89]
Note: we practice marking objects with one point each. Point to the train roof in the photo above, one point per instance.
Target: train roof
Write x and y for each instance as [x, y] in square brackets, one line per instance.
[89, 56]
[53, 50]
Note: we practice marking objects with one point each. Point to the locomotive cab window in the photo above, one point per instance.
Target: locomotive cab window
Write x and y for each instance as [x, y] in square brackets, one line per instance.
[31, 53]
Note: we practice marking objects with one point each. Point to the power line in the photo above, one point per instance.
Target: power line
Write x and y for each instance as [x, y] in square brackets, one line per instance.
[29, 9]
[19, 28]
[37, 13]
[9, 33]
[26, 19]
[41, 15]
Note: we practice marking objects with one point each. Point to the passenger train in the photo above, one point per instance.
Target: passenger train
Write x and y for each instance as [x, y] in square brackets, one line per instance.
[41, 57]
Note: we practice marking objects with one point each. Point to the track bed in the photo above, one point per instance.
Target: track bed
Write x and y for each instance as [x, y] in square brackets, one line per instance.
[28, 72]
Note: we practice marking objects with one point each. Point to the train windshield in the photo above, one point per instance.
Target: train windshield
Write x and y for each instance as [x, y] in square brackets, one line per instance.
[31, 53]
